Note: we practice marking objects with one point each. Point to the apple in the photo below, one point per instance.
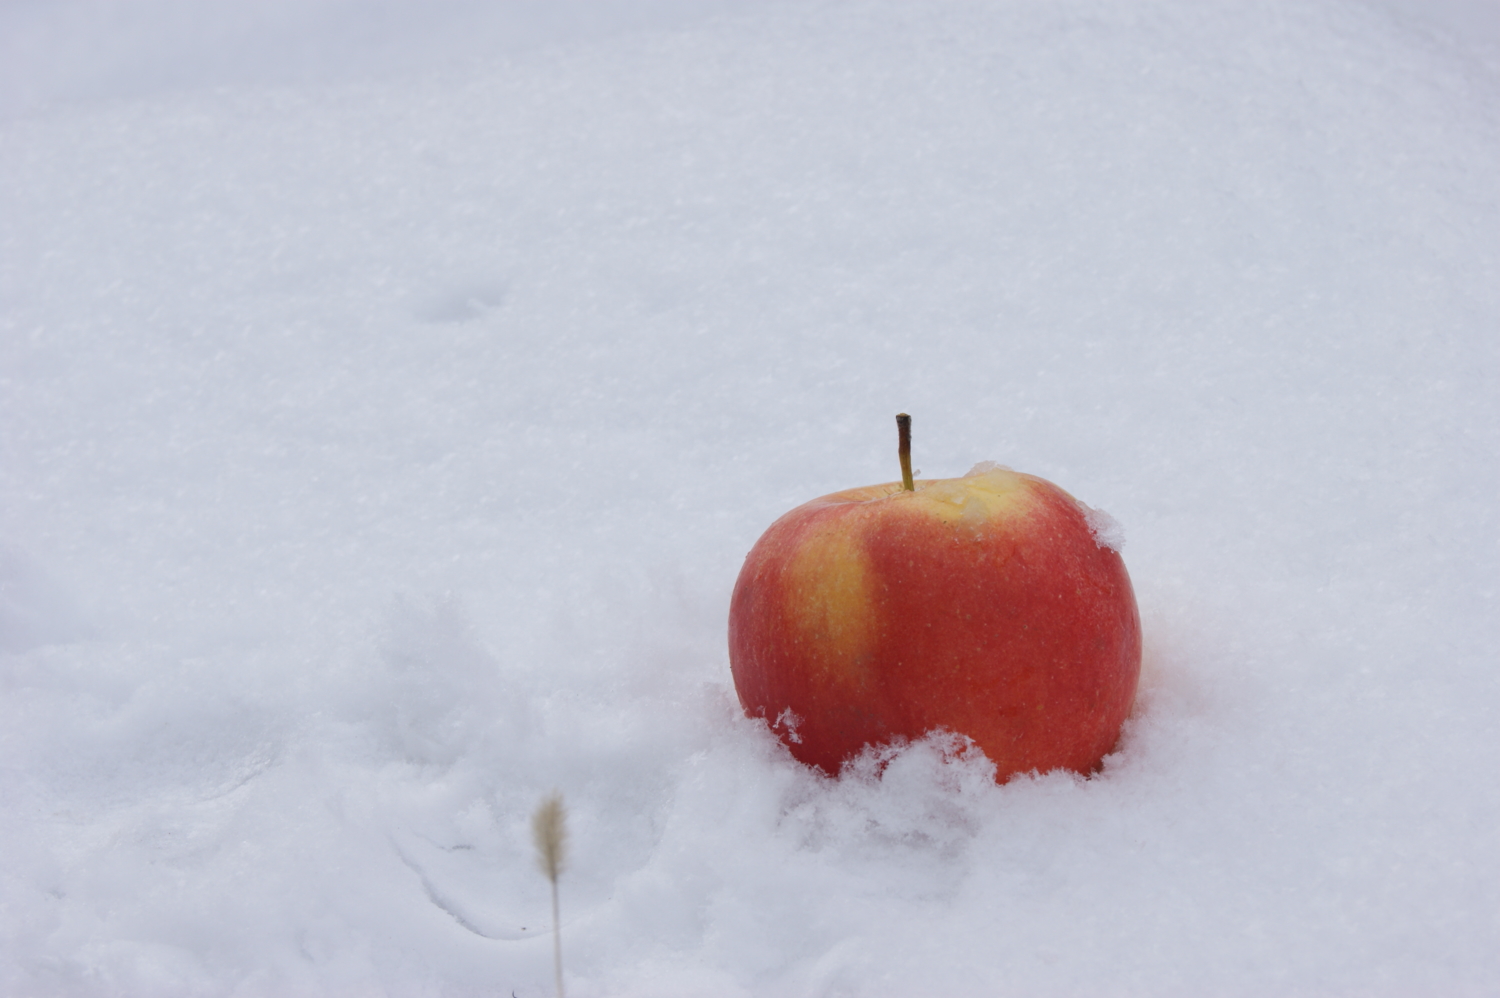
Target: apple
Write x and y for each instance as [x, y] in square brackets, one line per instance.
[993, 606]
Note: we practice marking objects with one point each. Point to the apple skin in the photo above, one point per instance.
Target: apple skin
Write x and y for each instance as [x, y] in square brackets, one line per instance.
[982, 605]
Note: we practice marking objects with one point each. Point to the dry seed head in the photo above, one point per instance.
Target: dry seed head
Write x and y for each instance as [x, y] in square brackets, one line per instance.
[549, 830]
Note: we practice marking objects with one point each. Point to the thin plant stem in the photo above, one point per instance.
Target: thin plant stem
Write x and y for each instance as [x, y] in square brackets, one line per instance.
[556, 942]
[549, 830]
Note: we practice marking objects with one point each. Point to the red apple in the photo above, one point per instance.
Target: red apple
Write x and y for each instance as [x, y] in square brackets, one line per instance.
[985, 605]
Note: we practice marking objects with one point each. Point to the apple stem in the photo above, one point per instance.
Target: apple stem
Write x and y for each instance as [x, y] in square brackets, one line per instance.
[903, 450]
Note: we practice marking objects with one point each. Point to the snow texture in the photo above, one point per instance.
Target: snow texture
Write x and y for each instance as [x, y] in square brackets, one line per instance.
[1107, 531]
[389, 394]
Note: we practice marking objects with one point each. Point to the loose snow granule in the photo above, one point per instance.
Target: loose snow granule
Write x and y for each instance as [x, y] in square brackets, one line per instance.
[1106, 529]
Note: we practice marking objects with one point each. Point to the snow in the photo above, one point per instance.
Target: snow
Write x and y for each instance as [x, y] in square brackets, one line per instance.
[1108, 532]
[387, 401]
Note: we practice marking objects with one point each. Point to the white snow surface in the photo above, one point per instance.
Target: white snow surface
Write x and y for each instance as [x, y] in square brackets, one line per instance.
[381, 435]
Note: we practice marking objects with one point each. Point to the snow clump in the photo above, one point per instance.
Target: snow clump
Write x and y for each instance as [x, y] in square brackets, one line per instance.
[1106, 529]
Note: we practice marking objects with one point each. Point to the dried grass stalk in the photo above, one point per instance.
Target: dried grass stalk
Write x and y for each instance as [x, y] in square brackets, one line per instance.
[549, 830]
